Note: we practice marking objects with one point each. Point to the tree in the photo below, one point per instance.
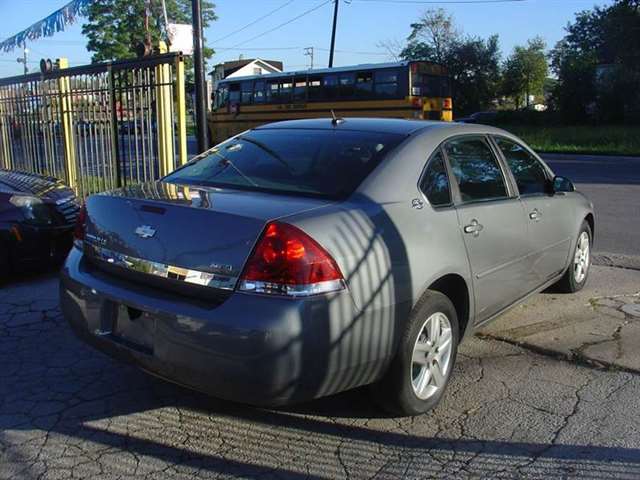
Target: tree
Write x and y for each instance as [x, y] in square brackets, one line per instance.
[598, 65]
[525, 71]
[473, 63]
[115, 28]
[436, 31]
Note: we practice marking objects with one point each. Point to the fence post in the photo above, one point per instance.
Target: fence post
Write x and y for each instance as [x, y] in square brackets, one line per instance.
[5, 131]
[164, 103]
[181, 110]
[115, 147]
[64, 87]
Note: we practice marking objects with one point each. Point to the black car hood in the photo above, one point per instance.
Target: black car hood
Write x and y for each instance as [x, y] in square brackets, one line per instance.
[47, 188]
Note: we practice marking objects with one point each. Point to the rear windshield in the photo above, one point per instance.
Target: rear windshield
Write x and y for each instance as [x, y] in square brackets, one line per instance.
[326, 163]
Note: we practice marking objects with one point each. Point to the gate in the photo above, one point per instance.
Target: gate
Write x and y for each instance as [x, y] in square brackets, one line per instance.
[98, 126]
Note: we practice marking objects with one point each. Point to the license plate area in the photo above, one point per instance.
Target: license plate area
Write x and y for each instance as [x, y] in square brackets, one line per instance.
[129, 326]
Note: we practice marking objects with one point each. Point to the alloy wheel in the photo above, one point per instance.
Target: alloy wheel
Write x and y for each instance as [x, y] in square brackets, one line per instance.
[431, 356]
[582, 258]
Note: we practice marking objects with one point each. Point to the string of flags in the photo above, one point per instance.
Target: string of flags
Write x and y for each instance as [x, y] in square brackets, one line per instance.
[56, 22]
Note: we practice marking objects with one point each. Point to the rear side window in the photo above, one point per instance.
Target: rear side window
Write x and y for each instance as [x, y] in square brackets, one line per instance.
[435, 182]
[476, 169]
[527, 170]
[326, 163]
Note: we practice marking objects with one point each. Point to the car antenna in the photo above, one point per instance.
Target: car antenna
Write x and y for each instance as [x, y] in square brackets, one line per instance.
[336, 120]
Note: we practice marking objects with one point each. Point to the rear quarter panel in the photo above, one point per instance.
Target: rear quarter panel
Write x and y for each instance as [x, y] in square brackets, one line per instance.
[388, 251]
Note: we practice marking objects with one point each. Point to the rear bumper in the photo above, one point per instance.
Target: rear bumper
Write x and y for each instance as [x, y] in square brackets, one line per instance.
[252, 349]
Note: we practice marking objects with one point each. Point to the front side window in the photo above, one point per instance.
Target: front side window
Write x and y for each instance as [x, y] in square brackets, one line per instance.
[527, 170]
[435, 182]
[476, 170]
[301, 162]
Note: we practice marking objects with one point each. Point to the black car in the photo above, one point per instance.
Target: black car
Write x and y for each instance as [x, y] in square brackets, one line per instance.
[37, 217]
[479, 117]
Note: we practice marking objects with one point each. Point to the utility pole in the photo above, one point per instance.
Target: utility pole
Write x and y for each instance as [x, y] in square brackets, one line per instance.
[198, 66]
[309, 53]
[23, 60]
[333, 32]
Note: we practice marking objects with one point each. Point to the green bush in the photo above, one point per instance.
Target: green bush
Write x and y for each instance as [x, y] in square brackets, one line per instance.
[585, 139]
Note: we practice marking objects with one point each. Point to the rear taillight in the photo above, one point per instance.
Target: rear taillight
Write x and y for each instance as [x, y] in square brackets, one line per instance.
[287, 261]
[78, 231]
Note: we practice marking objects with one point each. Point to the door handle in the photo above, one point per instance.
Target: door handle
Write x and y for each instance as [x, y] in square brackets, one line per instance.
[535, 214]
[473, 228]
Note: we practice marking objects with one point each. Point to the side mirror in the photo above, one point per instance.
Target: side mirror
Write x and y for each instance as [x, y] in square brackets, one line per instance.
[562, 184]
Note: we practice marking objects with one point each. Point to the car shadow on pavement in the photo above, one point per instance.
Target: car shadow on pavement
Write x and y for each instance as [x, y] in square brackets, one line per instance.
[265, 434]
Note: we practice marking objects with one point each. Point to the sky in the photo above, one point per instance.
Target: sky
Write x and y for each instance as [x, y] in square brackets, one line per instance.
[273, 31]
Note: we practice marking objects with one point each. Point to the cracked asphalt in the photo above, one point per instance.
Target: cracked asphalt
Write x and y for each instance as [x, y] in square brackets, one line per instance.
[67, 411]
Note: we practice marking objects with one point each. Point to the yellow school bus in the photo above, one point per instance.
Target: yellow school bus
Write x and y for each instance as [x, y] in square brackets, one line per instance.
[410, 89]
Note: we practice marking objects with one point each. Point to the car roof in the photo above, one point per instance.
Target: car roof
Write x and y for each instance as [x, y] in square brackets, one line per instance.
[386, 125]
[383, 125]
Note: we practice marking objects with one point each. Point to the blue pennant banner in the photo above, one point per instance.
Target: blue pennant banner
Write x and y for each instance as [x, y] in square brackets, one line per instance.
[56, 22]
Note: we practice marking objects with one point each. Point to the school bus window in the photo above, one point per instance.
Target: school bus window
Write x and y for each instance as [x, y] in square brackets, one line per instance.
[364, 84]
[221, 96]
[300, 89]
[386, 84]
[386, 76]
[234, 93]
[258, 92]
[284, 91]
[330, 83]
[314, 89]
[346, 81]
[430, 85]
[271, 91]
[246, 92]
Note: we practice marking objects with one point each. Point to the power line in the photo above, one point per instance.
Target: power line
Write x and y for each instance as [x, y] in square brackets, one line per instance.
[257, 48]
[441, 2]
[306, 12]
[352, 51]
[254, 22]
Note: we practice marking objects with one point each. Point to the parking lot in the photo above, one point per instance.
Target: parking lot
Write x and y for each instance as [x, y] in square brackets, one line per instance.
[67, 411]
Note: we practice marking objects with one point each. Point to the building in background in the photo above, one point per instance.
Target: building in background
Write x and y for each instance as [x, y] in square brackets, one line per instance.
[244, 67]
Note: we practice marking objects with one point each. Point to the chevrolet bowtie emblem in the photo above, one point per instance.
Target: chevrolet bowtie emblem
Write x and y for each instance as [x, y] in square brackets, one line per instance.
[145, 231]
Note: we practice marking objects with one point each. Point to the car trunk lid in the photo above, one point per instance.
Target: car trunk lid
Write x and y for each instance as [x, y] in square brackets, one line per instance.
[199, 236]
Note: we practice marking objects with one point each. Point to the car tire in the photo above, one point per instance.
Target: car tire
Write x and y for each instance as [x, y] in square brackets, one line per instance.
[578, 270]
[410, 387]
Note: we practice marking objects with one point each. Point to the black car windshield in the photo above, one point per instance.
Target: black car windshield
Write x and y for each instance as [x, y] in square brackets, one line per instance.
[327, 163]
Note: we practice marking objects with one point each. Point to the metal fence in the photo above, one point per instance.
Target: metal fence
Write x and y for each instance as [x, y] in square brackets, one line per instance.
[98, 126]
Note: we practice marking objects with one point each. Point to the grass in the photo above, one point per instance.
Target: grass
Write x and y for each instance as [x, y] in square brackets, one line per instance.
[583, 139]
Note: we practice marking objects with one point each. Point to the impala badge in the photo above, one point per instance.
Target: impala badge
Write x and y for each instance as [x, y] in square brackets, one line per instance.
[145, 231]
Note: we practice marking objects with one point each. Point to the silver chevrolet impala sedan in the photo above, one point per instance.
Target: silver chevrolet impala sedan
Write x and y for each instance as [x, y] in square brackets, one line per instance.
[304, 258]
